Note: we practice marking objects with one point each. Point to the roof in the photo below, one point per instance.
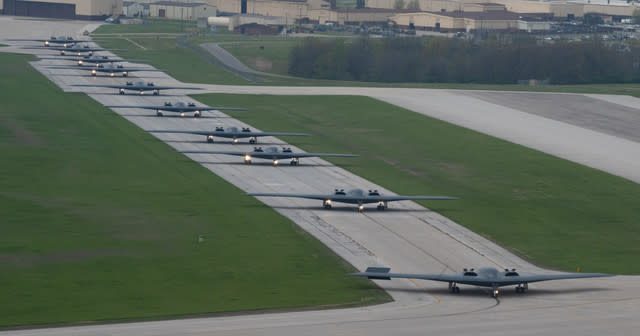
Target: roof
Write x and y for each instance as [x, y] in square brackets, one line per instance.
[489, 15]
[179, 4]
[374, 10]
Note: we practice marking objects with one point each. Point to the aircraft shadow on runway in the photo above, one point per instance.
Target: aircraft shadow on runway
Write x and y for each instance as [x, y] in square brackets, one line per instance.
[471, 291]
[284, 164]
[98, 76]
[347, 208]
[223, 142]
[172, 116]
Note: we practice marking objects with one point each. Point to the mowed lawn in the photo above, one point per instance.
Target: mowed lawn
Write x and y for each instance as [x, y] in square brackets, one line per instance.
[553, 212]
[101, 221]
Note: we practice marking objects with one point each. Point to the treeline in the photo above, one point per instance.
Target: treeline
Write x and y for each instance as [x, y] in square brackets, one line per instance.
[445, 60]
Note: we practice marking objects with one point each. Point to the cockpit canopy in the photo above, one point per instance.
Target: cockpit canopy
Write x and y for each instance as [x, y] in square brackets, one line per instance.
[246, 129]
[373, 193]
[339, 192]
[510, 272]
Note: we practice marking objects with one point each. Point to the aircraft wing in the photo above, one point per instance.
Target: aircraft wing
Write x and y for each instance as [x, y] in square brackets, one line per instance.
[216, 152]
[409, 198]
[301, 155]
[382, 273]
[53, 41]
[230, 134]
[547, 277]
[179, 108]
[309, 196]
[158, 87]
[124, 69]
[131, 87]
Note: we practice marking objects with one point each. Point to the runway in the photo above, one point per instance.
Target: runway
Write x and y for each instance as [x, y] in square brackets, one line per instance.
[416, 240]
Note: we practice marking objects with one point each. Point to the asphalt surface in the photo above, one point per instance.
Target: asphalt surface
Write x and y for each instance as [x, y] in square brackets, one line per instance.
[415, 240]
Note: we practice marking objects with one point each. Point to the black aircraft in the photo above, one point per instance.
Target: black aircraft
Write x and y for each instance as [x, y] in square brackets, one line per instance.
[179, 107]
[64, 40]
[110, 69]
[270, 153]
[93, 59]
[234, 133]
[355, 196]
[74, 49]
[483, 277]
[140, 87]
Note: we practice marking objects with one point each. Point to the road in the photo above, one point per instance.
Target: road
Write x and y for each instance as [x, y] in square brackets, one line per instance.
[412, 240]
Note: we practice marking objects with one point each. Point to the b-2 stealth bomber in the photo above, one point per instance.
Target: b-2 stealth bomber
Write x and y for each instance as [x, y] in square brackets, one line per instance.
[270, 153]
[483, 277]
[234, 133]
[64, 40]
[179, 107]
[74, 49]
[140, 87]
[110, 69]
[95, 60]
[355, 196]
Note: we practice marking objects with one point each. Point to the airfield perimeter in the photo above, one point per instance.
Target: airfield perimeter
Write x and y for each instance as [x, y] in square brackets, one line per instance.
[413, 241]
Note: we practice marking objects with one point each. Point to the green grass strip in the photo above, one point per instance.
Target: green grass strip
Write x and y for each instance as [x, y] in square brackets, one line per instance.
[551, 211]
[100, 221]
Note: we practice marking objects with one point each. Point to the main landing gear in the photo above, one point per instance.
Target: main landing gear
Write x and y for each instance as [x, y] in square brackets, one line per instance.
[453, 288]
[521, 288]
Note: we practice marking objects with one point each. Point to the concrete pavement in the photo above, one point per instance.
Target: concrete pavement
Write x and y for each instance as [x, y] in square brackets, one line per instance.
[416, 240]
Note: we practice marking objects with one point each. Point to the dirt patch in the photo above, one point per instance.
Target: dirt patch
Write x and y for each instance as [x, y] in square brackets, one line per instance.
[455, 169]
[261, 63]
[21, 134]
[395, 164]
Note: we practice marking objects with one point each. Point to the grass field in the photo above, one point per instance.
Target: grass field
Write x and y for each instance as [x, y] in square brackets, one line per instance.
[551, 211]
[276, 49]
[100, 221]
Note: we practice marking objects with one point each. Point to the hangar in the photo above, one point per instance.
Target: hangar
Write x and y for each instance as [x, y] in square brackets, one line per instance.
[181, 10]
[63, 9]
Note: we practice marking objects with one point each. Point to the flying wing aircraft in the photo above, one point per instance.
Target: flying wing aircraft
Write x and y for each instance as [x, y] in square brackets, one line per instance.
[355, 196]
[74, 49]
[111, 69]
[483, 277]
[270, 153]
[64, 40]
[141, 87]
[179, 107]
[93, 59]
[234, 133]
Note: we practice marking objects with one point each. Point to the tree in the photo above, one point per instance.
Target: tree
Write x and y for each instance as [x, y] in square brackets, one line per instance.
[398, 4]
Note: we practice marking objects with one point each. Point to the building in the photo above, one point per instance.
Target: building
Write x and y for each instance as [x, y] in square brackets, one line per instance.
[181, 10]
[134, 9]
[561, 9]
[63, 9]
[458, 21]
